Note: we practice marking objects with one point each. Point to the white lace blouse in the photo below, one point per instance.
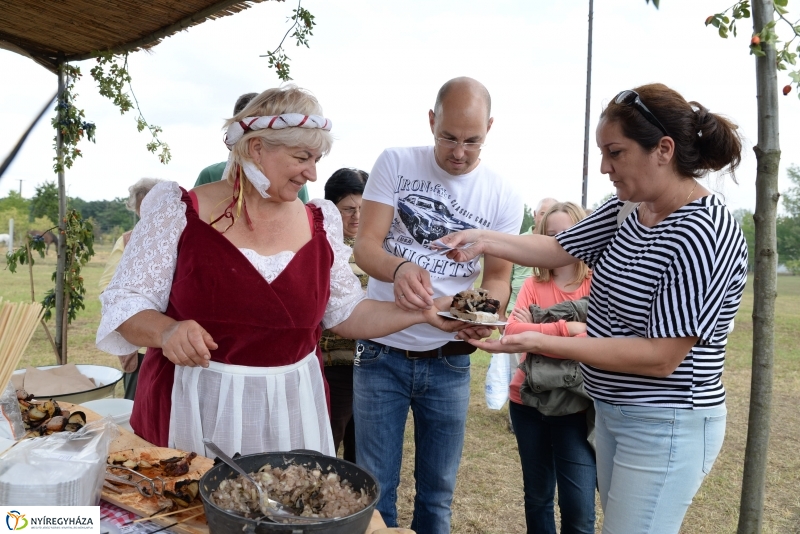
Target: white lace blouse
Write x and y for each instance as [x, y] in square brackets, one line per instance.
[143, 279]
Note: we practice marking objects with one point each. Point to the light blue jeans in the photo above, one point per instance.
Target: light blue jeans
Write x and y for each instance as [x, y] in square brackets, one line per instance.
[651, 462]
[385, 385]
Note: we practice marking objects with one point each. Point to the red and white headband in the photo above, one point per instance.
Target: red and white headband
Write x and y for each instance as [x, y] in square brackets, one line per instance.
[278, 122]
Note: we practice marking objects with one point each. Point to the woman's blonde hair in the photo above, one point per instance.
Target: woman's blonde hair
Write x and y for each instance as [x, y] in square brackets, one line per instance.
[286, 99]
[576, 214]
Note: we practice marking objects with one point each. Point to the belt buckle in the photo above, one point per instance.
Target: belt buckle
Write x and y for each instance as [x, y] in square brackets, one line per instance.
[409, 355]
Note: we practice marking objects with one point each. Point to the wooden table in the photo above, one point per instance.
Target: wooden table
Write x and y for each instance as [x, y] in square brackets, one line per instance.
[128, 440]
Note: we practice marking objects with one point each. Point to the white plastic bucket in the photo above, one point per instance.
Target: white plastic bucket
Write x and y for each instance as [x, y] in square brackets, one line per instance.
[119, 410]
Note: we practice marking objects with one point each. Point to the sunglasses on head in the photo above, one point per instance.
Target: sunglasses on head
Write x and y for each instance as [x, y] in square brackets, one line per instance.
[631, 98]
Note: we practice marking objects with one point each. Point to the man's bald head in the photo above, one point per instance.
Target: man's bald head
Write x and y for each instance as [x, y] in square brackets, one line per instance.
[459, 123]
[463, 89]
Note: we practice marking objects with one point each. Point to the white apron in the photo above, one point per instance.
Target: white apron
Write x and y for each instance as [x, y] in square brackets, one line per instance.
[250, 409]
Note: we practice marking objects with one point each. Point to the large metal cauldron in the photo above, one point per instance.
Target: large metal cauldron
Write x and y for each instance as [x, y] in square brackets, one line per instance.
[224, 522]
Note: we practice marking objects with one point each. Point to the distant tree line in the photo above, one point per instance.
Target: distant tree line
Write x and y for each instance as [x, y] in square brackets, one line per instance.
[110, 218]
[787, 226]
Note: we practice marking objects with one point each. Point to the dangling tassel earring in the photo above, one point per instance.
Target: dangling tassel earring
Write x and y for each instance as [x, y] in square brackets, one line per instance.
[238, 201]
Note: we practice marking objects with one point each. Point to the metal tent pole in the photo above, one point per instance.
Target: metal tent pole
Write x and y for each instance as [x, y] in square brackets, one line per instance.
[588, 105]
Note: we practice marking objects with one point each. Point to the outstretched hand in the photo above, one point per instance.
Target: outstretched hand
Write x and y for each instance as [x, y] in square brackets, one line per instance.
[467, 245]
[515, 343]
[187, 343]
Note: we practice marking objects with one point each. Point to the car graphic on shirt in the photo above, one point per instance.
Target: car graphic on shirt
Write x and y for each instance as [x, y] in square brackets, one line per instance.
[428, 219]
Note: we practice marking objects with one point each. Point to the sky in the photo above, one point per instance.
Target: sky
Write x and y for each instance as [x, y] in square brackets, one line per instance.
[376, 67]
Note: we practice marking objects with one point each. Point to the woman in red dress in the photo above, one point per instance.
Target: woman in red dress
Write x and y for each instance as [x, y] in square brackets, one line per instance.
[230, 285]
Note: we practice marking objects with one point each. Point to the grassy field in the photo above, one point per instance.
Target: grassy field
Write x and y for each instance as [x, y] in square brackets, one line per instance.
[489, 493]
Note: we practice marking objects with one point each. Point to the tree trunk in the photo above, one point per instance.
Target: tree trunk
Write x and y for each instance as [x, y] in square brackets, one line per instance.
[768, 157]
[33, 296]
[61, 325]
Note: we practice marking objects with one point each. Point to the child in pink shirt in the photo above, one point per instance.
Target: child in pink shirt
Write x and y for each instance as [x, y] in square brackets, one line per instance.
[553, 449]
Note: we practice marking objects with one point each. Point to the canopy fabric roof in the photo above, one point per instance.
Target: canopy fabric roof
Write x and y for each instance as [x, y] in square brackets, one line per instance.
[72, 30]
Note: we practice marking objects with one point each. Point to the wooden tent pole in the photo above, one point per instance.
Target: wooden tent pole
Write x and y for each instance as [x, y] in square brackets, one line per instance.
[62, 236]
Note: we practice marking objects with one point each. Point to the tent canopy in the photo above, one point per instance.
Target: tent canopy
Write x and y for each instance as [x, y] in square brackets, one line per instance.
[73, 30]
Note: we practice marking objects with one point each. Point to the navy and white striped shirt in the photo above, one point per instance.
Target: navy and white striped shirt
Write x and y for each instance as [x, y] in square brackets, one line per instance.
[684, 277]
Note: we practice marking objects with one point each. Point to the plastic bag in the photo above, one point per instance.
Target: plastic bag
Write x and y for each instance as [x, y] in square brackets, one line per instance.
[62, 469]
[498, 377]
[10, 416]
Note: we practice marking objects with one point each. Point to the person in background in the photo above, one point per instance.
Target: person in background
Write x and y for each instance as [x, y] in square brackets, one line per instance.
[520, 273]
[669, 267]
[414, 196]
[550, 423]
[344, 188]
[213, 173]
[130, 363]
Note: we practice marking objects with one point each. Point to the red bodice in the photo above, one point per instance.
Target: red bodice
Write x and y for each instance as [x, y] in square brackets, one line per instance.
[254, 322]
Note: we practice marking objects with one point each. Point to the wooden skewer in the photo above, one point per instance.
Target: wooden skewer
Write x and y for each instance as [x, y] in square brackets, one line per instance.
[159, 516]
[178, 522]
[17, 324]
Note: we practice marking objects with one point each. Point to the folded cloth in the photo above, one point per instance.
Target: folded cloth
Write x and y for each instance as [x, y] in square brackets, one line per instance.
[56, 381]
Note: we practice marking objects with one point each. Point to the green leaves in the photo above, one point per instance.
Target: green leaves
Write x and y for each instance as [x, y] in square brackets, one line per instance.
[111, 74]
[79, 248]
[111, 84]
[69, 122]
[784, 55]
[302, 24]
[655, 3]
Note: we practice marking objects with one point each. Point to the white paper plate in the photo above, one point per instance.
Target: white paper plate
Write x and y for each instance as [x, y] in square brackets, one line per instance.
[451, 316]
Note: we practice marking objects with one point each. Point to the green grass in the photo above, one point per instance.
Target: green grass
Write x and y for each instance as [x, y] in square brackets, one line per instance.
[488, 495]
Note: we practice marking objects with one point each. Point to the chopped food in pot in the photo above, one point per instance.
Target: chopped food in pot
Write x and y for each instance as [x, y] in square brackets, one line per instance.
[308, 492]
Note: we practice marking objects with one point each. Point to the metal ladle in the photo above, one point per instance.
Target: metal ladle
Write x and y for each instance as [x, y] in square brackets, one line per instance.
[269, 507]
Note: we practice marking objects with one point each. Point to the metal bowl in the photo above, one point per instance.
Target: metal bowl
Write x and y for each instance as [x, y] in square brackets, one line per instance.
[222, 521]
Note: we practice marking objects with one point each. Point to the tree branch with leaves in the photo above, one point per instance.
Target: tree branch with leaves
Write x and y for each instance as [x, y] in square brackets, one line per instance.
[302, 24]
[786, 52]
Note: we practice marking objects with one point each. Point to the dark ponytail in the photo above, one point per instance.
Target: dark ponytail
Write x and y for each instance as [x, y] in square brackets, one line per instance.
[718, 141]
[704, 141]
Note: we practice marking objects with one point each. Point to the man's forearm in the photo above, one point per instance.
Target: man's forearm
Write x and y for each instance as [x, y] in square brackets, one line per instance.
[375, 261]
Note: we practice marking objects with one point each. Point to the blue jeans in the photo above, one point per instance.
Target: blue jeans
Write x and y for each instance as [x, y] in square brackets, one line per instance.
[651, 462]
[385, 385]
[554, 449]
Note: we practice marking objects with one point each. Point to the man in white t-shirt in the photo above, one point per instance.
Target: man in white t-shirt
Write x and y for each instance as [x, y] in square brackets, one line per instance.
[415, 196]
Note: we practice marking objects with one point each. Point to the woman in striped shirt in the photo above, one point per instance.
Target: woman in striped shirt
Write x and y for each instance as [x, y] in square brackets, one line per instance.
[669, 267]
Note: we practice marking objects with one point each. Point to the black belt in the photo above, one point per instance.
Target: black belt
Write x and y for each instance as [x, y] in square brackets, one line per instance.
[452, 348]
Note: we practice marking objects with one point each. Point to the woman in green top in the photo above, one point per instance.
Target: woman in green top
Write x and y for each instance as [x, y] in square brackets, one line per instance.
[344, 188]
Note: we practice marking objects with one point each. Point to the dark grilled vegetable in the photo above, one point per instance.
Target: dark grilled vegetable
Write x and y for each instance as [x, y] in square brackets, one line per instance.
[185, 492]
[77, 418]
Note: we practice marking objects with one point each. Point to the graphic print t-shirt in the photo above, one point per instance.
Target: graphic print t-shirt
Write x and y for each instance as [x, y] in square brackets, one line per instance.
[428, 204]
